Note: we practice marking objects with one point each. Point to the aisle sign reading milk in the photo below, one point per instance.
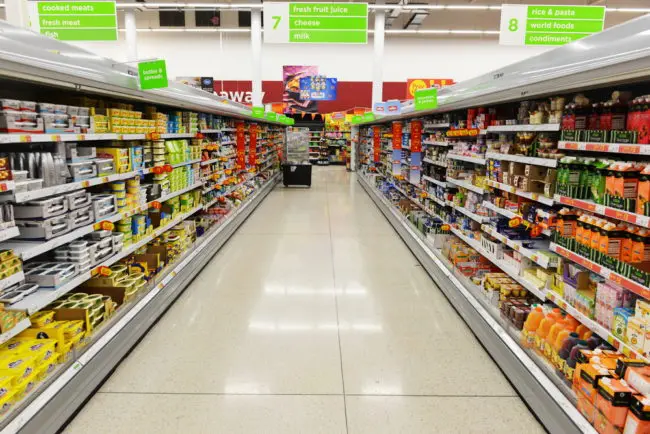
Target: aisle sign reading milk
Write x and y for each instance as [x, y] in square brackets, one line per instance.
[548, 25]
[313, 23]
[74, 20]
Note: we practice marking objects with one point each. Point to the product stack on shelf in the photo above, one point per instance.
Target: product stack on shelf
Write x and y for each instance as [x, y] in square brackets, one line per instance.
[540, 208]
[337, 143]
[104, 203]
[316, 148]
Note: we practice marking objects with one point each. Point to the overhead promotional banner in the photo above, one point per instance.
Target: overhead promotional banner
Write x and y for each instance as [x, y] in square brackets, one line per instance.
[413, 84]
[292, 97]
[379, 108]
[397, 148]
[74, 20]
[548, 25]
[329, 23]
[318, 88]
[207, 84]
[153, 74]
[393, 107]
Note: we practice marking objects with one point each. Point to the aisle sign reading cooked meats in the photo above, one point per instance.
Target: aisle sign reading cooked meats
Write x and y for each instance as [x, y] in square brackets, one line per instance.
[74, 20]
[240, 137]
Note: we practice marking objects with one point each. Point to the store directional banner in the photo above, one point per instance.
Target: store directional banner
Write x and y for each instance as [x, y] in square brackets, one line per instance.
[549, 25]
[74, 20]
[328, 23]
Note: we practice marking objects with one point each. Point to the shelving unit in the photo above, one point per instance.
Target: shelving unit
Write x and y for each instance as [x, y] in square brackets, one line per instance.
[235, 189]
[519, 236]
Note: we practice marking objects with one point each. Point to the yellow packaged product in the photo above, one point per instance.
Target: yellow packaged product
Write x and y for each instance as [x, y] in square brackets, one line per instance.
[53, 330]
[7, 402]
[78, 341]
[42, 318]
[18, 365]
[42, 349]
[25, 386]
[6, 385]
[73, 328]
[42, 371]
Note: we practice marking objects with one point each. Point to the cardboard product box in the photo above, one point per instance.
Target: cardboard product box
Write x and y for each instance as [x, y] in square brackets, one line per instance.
[535, 172]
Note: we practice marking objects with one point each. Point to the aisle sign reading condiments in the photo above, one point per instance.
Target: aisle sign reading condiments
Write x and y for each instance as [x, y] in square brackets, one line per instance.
[548, 25]
[426, 99]
[153, 74]
[329, 23]
[74, 20]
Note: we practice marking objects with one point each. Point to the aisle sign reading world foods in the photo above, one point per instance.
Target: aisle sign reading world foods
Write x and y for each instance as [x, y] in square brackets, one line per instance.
[153, 74]
[548, 25]
[326, 23]
[74, 20]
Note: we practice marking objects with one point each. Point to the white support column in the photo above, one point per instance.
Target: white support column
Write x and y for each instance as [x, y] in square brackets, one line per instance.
[131, 35]
[16, 13]
[256, 51]
[378, 56]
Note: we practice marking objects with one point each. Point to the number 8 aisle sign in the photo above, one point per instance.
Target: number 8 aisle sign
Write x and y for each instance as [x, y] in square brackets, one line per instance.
[325, 23]
[548, 25]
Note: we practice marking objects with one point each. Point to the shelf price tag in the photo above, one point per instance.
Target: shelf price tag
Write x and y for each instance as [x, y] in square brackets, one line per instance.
[330, 23]
[548, 25]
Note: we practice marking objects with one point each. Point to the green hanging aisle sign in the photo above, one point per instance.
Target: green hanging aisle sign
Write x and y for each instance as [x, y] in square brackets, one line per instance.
[74, 20]
[153, 74]
[426, 99]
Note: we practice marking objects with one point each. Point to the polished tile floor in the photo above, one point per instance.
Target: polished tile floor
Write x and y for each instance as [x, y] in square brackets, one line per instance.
[313, 318]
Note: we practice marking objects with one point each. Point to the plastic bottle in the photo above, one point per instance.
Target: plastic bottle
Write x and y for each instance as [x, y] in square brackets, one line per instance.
[567, 345]
[581, 330]
[555, 329]
[544, 328]
[580, 345]
[530, 326]
[593, 342]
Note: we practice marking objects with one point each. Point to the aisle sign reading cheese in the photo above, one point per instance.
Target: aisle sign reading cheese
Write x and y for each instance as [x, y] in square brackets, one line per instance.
[74, 20]
[548, 25]
[325, 23]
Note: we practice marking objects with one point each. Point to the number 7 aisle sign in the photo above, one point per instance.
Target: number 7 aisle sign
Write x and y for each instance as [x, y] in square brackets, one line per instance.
[324, 23]
[548, 25]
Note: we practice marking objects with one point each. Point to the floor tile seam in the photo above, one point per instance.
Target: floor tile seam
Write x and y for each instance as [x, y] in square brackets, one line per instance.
[336, 308]
[354, 395]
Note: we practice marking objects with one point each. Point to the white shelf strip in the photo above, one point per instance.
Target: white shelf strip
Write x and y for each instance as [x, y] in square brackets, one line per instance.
[466, 184]
[22, 325]
[473, 216]
[432, 143]
[504, 212]
[546, 162]
[510, 189]
[536, 256]
[475, 160]
[527, 127]
[12, 280]
[434, 181]
[476, 245]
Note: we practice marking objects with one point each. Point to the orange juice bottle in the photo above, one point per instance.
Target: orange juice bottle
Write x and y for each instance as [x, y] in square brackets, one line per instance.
[559, 325]
[595, 233]
[557, 346]
[544, 328]
[626, 244]
[530, 326]
[581, 330]
[638, 246]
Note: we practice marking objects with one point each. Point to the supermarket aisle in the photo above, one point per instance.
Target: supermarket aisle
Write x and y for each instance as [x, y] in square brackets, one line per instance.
[314, 318]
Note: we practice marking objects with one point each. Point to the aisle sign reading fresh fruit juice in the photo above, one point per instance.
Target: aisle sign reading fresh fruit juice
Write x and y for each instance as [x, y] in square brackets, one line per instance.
[74, 20]
[549, 25]
[328, 23]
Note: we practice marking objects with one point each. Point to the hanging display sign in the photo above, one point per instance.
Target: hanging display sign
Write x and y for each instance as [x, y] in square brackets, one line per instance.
[74, 20]
[207, 84]
[257, 112]
[413, 84]
[397, 148]
[271, 116]
[240, 137]
[252, 146]
[379, 108]
[338, 116]
[153, 74]
[357, 119]
[330, 23]
[416, 152]
[548, 25]
[426, 99]
[318, 88]
[393, 107]
[368, 116]
[376, 143]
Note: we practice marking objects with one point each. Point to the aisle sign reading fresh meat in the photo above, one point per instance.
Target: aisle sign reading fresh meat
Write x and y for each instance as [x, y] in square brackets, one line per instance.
[328, 23]
[376, 144]
[252, 146]
[548, 25]
[74, 20]
[240, 138]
